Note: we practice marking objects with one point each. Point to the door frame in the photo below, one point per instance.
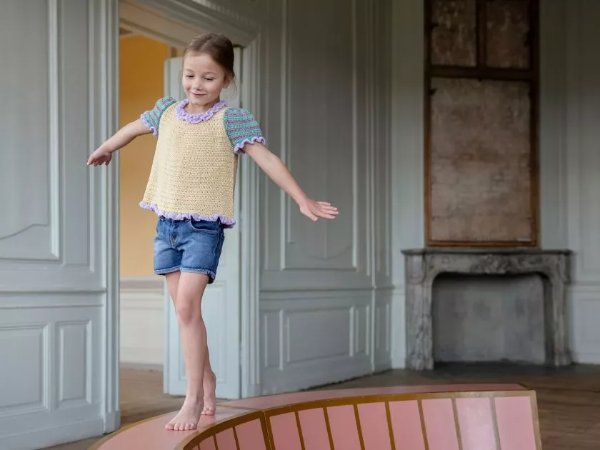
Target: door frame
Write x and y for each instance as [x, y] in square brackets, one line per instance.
[108, 124]
[175, 22]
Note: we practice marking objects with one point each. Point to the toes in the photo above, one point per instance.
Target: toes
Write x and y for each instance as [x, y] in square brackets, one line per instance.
[181, 426]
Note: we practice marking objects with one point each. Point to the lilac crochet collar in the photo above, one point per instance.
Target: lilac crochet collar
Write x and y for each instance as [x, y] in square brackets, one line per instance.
[196, 118]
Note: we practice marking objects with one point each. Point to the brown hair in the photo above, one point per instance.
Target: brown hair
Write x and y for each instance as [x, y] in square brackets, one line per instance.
[217, 46]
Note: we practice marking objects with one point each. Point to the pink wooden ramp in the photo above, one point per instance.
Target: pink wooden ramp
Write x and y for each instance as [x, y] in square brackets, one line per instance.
[439, 417]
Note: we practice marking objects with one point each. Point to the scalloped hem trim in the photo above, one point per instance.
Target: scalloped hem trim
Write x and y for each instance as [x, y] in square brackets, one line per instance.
[227, 222]
[239, 148]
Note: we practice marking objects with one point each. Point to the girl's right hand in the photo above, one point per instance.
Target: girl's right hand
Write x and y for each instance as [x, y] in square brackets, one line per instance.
[99, 156]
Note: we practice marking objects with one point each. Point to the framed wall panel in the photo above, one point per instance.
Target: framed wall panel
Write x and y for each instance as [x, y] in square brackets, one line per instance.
[481, 165]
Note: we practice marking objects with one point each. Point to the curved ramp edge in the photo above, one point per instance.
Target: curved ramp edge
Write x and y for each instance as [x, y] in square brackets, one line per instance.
[438, 417]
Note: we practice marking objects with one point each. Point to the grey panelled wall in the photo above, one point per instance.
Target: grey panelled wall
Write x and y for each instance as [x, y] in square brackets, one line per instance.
[325, 297]
[57, 288]
[580, 176]
[570, 158]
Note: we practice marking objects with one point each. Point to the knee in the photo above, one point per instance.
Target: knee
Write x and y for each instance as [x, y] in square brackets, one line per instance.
[187, 312]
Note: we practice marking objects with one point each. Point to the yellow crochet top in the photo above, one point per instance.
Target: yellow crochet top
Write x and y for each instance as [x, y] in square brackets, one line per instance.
[195, 163]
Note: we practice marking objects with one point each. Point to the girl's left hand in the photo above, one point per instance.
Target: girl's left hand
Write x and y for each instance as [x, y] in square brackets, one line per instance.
[313, 210]
[99, 156]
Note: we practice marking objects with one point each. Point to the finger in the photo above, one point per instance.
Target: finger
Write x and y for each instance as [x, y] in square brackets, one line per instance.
[327, 216]
[324, 203]
[330, 210]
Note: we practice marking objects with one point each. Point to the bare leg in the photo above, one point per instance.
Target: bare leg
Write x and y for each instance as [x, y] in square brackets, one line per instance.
[189, 290]
[210, 379]
[209, 385]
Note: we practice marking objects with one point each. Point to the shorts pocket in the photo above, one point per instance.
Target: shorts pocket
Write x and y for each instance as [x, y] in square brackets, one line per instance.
[206, 226]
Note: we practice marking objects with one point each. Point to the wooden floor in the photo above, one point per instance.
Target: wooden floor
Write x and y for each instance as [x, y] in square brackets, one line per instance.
[568, 398]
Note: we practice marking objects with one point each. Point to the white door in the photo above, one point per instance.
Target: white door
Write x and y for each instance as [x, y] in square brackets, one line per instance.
[58, 271]
[221, 302]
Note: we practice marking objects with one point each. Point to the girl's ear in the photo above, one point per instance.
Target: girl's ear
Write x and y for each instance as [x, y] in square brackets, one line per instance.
[228, 80]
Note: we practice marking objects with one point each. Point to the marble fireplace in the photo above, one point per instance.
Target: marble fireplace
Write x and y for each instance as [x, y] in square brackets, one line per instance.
[423, 266]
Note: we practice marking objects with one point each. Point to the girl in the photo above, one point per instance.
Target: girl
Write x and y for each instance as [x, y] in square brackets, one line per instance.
[191, 188]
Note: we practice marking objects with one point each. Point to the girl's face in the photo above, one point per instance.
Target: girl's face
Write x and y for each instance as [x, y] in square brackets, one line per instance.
[202, 80]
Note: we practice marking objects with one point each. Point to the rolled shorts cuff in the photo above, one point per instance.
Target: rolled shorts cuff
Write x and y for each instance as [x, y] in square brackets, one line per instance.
[211, 275]
[168, 270]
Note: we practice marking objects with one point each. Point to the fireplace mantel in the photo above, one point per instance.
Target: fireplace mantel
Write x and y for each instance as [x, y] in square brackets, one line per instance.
[422, 266]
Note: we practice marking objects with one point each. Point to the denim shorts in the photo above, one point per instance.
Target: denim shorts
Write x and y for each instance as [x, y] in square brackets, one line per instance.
[188, 245]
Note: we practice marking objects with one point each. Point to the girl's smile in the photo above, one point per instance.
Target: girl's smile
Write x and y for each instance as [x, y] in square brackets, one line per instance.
[202, 81]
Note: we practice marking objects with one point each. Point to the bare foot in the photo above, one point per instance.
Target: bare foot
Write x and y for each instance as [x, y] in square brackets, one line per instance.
[187, 418]
[209, 386]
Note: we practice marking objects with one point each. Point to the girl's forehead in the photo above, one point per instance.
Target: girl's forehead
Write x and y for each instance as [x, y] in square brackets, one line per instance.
[201, 62]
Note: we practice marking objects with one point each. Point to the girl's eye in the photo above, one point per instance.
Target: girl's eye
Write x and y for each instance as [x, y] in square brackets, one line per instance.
[209, 79]
[189, 76]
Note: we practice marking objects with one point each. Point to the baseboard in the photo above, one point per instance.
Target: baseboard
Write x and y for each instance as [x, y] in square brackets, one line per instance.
[384, 364]
[586, 358]
[284, 381]
[141, 366]
[112, 422]
[584, 310]
[47, 437]
[398, 362]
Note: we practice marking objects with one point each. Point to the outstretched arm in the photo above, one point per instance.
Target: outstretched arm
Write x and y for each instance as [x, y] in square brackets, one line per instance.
[103, 154]
[273, 166]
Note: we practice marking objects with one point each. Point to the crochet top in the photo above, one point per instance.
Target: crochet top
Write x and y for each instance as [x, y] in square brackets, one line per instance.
[195, 162]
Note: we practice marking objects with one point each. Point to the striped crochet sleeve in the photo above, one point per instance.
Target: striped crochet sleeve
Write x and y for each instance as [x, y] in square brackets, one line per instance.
[152, 118]
[242, 128]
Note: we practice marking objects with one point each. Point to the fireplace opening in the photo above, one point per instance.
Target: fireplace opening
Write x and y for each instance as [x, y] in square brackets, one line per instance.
[488, 318]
